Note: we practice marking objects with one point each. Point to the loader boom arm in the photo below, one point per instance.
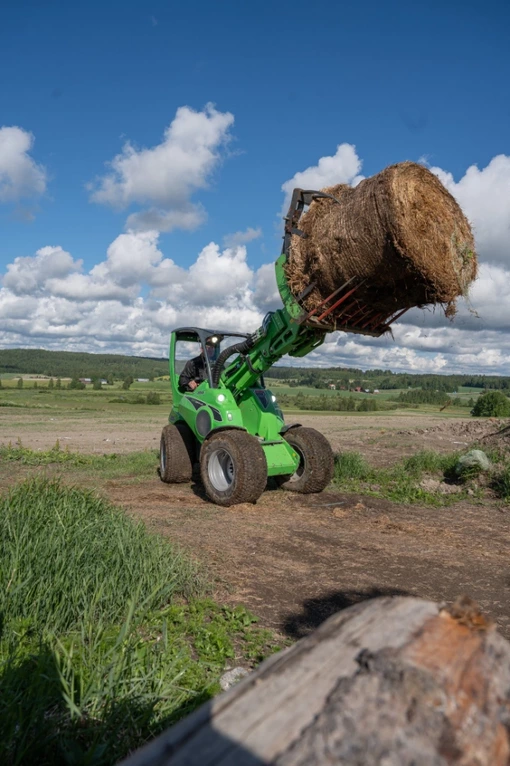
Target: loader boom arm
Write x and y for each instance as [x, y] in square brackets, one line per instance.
[281, 333]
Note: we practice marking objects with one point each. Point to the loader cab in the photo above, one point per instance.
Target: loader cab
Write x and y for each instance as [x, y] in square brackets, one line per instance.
[190, 342]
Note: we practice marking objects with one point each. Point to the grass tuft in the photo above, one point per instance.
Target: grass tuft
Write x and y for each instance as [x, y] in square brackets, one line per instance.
[141, 464]
[106, 636]
[501, 483]
[351, 465]
[69, 554]
[401, 482]
[424, 461]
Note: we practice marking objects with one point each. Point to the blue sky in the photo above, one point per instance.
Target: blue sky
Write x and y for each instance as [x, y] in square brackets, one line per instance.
[395, 80]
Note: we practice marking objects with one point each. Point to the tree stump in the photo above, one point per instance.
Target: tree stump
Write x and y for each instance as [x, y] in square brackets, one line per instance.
[392, 682]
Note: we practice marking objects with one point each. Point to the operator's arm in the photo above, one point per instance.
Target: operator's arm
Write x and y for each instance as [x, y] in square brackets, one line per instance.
[187, 376]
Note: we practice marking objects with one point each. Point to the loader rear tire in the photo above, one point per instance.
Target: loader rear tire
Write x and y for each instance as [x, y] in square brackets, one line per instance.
[176, 453]
[233, 468]
[316, 461]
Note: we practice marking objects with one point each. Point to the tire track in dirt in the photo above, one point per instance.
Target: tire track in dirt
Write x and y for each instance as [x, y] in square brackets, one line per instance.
[295, 559]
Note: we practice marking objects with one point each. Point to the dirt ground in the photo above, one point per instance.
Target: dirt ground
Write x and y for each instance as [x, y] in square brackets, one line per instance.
[382, 439]
[293, 559]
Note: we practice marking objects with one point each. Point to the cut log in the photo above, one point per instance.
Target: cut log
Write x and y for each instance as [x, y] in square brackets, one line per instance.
[393, 681]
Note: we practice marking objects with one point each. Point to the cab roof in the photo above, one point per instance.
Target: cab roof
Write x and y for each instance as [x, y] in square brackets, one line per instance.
[191, 333]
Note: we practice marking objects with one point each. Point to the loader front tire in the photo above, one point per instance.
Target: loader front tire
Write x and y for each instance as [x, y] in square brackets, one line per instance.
[176, 453]
[233, 468]
[316, 461]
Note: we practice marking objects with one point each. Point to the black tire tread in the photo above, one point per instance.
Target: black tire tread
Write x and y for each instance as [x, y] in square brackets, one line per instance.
[319, 461]
[189, 439]
[250, 467]
[177, 443]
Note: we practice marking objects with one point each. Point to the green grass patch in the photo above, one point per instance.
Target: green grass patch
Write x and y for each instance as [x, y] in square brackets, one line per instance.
[427, 461]
[351, 466]
[106, 635]
[152, 398]
[141, 464]
[401, 482]
[65, 401]
[501, 483]
[69, 554]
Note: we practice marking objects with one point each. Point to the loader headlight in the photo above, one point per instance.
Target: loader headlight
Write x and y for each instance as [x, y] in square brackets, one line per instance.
[273, 398]
[221, 398]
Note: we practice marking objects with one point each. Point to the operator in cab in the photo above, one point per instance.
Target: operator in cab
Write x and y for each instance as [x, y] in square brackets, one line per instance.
[195, 370]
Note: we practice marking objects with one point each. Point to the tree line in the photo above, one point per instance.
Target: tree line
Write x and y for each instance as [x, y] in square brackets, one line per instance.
[427, 396]
[70, 364]
[349, 378]
[77, 384]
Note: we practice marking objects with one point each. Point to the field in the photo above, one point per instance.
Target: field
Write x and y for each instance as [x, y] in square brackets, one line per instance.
[389, 523]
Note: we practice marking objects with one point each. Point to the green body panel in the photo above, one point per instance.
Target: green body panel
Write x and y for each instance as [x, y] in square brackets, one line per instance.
[263, 418]
[238, 401]
[281, 459]
[256, 413]
[222, 414]
[291, 305]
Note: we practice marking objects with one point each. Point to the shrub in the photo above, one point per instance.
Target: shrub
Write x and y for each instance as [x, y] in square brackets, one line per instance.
[76, 384]
[422, 396]
[493, 404]
[368, 405]
[153, 398]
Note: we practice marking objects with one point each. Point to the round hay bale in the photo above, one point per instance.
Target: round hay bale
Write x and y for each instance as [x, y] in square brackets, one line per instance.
[400, 232]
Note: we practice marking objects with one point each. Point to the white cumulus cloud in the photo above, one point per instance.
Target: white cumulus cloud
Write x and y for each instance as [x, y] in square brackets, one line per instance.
[128, 302]
[484, 195]
[163, 178]
[266, 294]
[341, 168]
[241, 237]
[28, 275]
[20, 175]
[131, 300]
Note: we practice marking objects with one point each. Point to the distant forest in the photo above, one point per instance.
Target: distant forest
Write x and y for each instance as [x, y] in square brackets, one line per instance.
[351, 377]
[69, 364]
[62, 364]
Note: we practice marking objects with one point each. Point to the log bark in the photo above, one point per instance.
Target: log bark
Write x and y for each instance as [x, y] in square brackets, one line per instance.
[393, 682]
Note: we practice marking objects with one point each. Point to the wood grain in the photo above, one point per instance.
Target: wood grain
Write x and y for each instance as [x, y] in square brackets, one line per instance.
[389, 681]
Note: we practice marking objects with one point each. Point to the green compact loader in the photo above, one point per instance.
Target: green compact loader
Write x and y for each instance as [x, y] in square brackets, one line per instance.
[230, 423]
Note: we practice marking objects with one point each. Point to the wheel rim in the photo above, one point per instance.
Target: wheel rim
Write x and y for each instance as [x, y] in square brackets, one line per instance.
[162, 457]
[220, 469]
[296, 476]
